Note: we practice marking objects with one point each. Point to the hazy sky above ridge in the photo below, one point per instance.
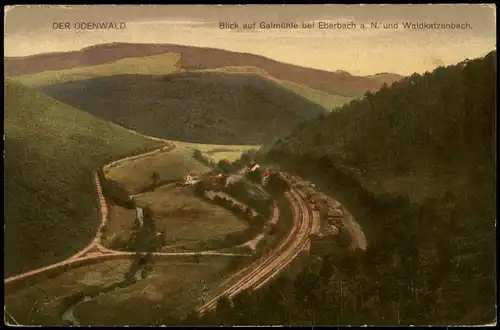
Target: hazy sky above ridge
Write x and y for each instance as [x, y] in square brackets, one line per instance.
[29, 30]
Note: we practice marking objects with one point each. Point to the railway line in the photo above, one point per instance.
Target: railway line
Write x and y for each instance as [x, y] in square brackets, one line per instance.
[266, 268]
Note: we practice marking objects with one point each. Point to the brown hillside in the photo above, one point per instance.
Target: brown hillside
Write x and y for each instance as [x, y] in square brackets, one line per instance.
[195, 58]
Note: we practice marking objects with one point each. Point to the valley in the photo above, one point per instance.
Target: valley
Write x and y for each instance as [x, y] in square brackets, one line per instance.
[159, 184]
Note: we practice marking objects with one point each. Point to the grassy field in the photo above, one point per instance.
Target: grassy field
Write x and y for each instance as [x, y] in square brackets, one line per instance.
[135, 175]
[212, 148]
[43, 303]
[219, 152]
[229, 155]
[186, 219]
[328, 101]
[170, 288]
[51, 150]
[151, 65]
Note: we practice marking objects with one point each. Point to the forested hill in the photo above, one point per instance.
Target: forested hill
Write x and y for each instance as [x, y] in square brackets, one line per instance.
[414, 163]
[421, 120]
[421, 155]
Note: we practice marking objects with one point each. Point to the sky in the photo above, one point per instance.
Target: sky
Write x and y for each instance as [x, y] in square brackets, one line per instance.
[29, 30]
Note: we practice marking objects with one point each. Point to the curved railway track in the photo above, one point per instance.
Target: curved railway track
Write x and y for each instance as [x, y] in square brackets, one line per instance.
[259, 273]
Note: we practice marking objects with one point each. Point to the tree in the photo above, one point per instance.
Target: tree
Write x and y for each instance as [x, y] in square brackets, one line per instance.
[244, 309]
[197, 154]
[248, 156]
[223, 311]
[306, 285]
[117, 193]
[225, 166]
[192, 318]
[155, 177]
[277, 184]
[255, 175]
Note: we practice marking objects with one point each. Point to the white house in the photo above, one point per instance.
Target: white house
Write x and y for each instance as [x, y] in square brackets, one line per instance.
[255, 167]
[190, 180]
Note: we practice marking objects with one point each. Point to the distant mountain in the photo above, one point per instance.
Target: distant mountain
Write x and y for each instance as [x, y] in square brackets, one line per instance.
[198, 58]
[165, 64]
[385, 77]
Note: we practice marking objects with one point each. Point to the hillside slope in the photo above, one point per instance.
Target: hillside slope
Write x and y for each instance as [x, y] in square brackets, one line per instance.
[165, 64]
[198, 58]
[439, 118]
[151, 65]
[51, 150]
[415, 164]
[201, 107]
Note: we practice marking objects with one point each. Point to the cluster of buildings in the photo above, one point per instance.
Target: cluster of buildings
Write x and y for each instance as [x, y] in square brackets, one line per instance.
[329, 209]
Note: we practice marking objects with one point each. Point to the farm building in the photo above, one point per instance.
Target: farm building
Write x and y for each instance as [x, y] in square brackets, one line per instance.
[190, 179]
[252, 167]
[335, 213]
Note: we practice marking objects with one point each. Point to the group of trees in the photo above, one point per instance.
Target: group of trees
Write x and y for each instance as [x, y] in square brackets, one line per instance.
[276, 184]
[239, 209]
[198, 155]
[114, 191]
[225, 166]
[146, 238]
[255, 176]
[247, 157]
[442, 116]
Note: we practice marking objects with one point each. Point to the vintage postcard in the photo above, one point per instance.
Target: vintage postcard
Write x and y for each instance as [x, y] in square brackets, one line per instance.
[250, 165]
